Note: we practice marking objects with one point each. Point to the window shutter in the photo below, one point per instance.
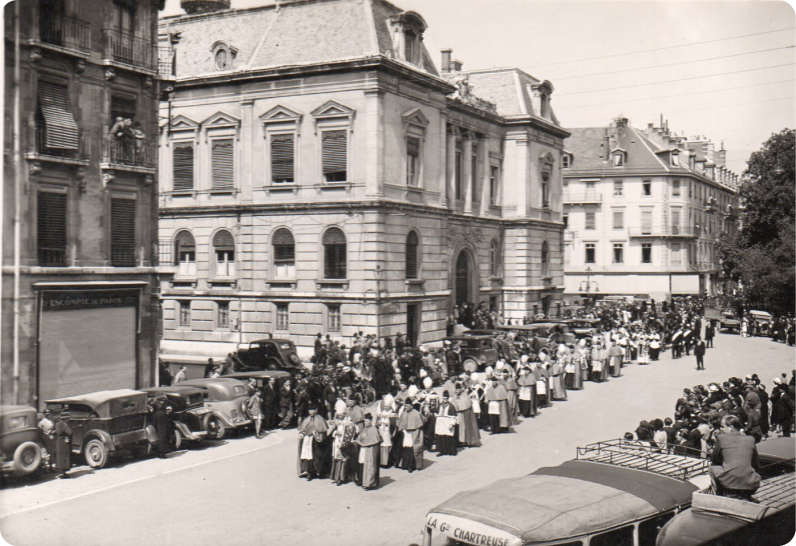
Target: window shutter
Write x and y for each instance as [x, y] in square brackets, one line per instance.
[183, 167]
[334, 243]
[413, 146]
[223, 164]
[335, 148]
[59, 120]
[284, 247]
[411, 255]
[282, 159]
[223, 240]
[123, 232]
[52, 228]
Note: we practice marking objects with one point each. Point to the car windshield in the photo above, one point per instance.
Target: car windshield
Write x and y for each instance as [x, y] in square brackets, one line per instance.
[240, 390]
[195, 399]
[285, 346]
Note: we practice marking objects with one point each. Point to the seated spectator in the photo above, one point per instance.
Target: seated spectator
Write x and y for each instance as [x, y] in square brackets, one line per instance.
[734, 462]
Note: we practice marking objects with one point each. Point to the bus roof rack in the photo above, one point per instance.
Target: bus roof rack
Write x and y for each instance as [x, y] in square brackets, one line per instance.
[632, 454]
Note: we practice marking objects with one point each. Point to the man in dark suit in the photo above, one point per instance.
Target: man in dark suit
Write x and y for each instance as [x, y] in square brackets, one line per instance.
[734, 461]
[699, 352]
[270, 404]
[710, 332]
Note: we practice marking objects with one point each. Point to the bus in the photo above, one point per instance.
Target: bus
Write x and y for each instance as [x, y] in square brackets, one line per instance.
[614, 493]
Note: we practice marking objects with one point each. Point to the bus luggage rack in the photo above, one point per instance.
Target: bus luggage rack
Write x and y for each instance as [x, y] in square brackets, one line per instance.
[777, 492]
[632, 455]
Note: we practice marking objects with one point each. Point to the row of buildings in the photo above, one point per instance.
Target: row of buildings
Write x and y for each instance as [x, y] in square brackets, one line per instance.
[185, 185]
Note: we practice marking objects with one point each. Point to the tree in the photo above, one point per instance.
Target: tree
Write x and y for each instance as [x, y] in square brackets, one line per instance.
[762, 255]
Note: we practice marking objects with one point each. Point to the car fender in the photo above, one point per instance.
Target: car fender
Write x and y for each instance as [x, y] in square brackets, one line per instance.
[226, 422]
[184, 430]
[151, 434]
[103, 436]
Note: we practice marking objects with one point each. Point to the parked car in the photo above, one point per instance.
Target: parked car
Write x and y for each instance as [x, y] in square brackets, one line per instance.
[583, 327]
[726, 318]
[193, 421]
[227, 398]
[20, 450]
[108, 423]
[763, 319]
[267, 354]
[277, 378]
[477, 351]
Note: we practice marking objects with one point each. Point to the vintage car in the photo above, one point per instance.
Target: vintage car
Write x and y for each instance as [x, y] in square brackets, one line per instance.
[525, 332]
[583, 327]
[193, 421]
[227, 398]
[763, 319]
[267, 354]
[108, 423]
[277, 378]
[723, 521]
[477, 352]
[20, 451]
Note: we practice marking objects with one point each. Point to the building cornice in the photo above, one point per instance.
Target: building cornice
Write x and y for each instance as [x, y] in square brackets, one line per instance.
[609, 173]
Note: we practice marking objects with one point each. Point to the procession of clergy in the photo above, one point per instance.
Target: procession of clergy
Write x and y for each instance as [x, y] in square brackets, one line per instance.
[354, 444]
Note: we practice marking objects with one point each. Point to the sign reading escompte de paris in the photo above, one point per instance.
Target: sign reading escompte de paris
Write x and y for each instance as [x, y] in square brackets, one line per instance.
[86, 299]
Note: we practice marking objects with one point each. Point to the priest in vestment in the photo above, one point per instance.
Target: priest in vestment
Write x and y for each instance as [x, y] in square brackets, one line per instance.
[312, 445]
[410, 423]
[368, 441]
[468, 423]
[526, 393]
[445, 426]
[497, 407]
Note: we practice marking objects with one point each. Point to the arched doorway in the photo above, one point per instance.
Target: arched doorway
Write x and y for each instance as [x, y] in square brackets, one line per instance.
[463, 280]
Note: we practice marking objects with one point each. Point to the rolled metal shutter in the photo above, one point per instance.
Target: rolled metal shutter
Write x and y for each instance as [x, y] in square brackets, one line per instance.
[223, 154]
[59, 120]
[86, 350]
[123, 232]
[183, 167]
[335, 148]
[51, 228]
[282, 159]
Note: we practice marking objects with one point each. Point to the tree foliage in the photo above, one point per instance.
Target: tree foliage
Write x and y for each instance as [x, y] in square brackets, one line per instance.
[762, 255]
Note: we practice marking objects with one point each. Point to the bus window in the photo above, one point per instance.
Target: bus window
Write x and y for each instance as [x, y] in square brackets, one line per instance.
[648, 530]
[618, 537]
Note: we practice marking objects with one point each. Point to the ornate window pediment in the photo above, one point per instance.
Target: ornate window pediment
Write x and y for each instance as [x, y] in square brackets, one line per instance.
[334, 111]
[183, 123]
[281, 115]
[222, 123]
[416, 118]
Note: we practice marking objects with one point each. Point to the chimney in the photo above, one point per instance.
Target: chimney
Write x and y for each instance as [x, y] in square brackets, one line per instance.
[446, 60]
[456, 65]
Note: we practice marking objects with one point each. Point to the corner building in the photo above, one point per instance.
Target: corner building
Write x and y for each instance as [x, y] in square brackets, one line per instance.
[321, 176]
[80, 310]
[645, 209]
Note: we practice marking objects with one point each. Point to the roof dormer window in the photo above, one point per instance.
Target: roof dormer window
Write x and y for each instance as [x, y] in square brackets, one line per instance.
[408, 36]
[223, 56]
[410, 46]
[675, 158]
[566, 160]
[619, 157]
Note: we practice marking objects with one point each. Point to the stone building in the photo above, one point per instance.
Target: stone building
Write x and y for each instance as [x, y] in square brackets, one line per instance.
[644, 211]
[320, 175]
[79, 280]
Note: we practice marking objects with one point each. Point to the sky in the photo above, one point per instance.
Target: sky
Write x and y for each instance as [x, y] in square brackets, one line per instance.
[733, 59]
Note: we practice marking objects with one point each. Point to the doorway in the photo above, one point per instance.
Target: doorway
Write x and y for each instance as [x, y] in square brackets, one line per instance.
[463, 283]
[412, 324]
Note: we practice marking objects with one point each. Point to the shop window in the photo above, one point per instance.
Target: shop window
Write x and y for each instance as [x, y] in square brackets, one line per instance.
[185, 254]
[283, 155]
[334, 151]
[646, 253]
[334, 250]
[591, 251]
[333, 318]
[282, 316]
[412, 245]
[224, 251]
[122, 232]
[284, 253]
[51, 239]
[222, 318]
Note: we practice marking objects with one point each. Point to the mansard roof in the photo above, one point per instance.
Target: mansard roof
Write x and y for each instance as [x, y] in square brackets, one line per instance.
[289, 34]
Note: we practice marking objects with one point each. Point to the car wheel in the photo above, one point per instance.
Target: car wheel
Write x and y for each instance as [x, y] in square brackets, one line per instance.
[142, 451]
[27, 458]
[178, 439]
[272, 364]
[96, 453]
[470, 365]
[214, 427]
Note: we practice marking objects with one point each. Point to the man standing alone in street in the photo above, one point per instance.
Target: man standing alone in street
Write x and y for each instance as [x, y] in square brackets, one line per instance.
[710, 332]
[699, 352]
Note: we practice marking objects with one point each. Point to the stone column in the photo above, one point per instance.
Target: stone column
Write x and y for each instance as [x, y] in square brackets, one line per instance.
[467, 162]
[246, 143]
[373, 144]
[486, 167]
[444, 152]
[451, 169]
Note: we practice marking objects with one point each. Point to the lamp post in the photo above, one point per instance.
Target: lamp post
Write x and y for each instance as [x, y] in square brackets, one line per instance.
[586, 286]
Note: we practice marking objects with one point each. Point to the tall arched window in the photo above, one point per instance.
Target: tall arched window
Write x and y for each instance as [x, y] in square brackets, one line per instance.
[412, 245]
[545, 260]
[334, 254]
[224, 250]
[494, 258]
[284, 253]
[185, 254]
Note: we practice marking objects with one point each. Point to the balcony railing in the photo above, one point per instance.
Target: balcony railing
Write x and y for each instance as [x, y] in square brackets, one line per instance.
[84, 145]
[130, 151]
[52, 256]
[663, 231]
[123, 255]
[588, 197]
[167, 62]
[126, 48]
[66, 32]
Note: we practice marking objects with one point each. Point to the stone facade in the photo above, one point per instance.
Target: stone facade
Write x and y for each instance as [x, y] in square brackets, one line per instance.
[449, 186]
[80, 204]
[645, 209]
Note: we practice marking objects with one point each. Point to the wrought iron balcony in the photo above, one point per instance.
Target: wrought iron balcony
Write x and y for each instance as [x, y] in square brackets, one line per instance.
[167, 62]
[125, 48]
[662, 231]
[123, 255]
[83, 151]
[129, 151]
[52, 256]
[66, 32]
[582, 198]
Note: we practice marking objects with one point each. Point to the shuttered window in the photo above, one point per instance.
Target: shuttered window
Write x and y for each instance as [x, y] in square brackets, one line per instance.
[334, 247]
[335, 150]
[412, 160]
[223, 169]
[60, 124]
[284, 253]
[122, 232]
[183, 167]
[185, 254]
[224, 247]
[411, 255]
[282, 159]
[51, 229]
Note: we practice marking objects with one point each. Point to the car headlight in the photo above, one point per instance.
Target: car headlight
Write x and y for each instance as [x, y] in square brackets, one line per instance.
[234, 414]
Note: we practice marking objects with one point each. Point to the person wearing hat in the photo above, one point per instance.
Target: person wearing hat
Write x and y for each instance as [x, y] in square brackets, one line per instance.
[255, 409]
[164, 426]
[446, 426]
[497, 407]
[312, 448]
[386, 417]
[368, 467]
[47, 436]
[63, 444]
[468, 424]
[355, 413]
[699, 353]
[429, 408]
[411, 422]
[342, 431]
[526, 393]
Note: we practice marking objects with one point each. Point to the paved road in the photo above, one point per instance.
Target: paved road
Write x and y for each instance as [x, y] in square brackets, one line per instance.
[246, 491]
